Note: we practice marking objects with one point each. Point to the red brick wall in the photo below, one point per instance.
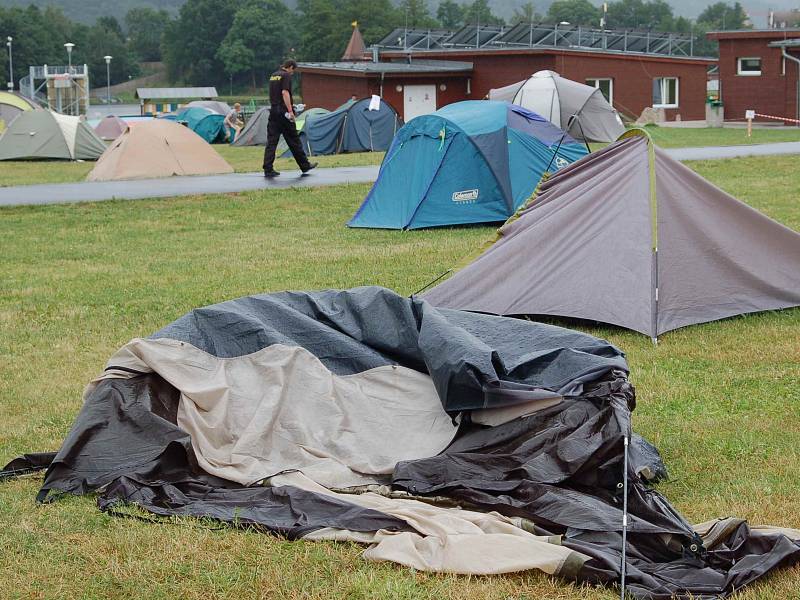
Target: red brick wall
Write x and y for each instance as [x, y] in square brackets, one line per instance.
[331, 91]
[769, 93]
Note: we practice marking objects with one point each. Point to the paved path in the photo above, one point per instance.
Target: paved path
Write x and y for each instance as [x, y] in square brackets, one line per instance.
[241, 182]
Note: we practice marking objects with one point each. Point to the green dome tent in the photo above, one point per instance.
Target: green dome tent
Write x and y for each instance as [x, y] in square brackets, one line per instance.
[43, 134]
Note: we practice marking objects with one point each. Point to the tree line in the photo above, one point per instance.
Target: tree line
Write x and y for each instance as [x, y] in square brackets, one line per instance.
[215, 42]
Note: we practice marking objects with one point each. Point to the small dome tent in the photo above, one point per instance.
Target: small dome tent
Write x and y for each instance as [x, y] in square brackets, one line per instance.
[360, 126]
[581, 110]
[469, 162]
[110, 127]
[631, 237]
[43, 134]
[203, 121]
[158, 148]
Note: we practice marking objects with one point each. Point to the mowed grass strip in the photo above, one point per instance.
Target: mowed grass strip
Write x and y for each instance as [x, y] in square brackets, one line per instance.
[721, 400]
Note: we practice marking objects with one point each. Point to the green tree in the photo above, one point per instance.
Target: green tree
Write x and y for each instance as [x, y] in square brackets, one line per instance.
[415, 13]
[262, 33]
[97, 41]
[479, 13]
[575, 12]
[145, 30]
[450, 14]
[721, 16]
[191, 41]
[526, 14]
[111, 24]
[640, 14]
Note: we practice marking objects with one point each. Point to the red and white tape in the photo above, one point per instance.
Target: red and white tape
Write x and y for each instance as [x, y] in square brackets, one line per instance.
[787, 119]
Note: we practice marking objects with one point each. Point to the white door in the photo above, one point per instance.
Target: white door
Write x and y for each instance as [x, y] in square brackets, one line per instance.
[418, 100]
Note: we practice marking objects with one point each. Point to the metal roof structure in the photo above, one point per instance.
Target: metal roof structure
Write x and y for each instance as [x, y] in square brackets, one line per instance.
[792, 43]
[540, 36]
[416, 67]
[176, 93]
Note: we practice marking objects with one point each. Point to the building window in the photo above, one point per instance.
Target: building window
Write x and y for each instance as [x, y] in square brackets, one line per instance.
[748, 66]
[665, 92]
[605, 85]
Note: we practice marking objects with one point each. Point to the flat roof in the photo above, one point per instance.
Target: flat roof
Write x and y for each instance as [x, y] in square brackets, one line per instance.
[169, 93]
[785, 43]
[415, 67]
[753, 33]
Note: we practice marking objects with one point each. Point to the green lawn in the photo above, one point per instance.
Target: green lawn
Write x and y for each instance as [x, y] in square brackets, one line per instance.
[249, 159]
[721, 400]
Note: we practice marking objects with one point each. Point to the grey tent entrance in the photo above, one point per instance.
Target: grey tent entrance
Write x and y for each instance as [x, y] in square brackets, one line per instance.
[580, 110]
[629, 236]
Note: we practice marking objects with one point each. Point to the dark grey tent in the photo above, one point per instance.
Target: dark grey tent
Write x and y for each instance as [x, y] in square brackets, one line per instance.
[254, 411]
[631, 237]
[353, 127]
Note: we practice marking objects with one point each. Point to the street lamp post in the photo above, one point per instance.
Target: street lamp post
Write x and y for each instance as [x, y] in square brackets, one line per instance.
[108, 78]
[10, 65]
[69, 46]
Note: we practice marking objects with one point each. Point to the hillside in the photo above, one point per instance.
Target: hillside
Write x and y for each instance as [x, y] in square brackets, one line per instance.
[87, 11]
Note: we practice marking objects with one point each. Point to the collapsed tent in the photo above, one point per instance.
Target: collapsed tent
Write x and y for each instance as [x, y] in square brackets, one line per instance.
[11, 105]
[631, 237]
[444, 440]
[580, 109]
[361, 126]
[43, 134]
[203, 121]
[110, 127]
[158, 148]
[469, 162]
[216, 106]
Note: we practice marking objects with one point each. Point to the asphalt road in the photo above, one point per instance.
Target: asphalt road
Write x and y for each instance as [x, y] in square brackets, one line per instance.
[61, 193]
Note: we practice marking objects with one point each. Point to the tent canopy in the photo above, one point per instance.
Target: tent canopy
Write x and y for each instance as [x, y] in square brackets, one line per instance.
[579, 109]
[203, 121]
[11, 105]
[215, 106]
[110, 127]
[631, 237]
[255, 411]
[353, 127]
[43, 134]
[158, 148]
[469, 162]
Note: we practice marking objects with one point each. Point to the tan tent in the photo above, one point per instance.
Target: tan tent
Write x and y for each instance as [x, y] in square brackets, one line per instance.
[158, 148]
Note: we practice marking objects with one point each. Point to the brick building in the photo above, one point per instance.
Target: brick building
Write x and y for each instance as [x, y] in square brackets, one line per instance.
[633, 69]
[758, 71]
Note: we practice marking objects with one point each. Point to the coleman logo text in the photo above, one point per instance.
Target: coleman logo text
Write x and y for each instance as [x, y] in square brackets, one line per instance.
[465, 196]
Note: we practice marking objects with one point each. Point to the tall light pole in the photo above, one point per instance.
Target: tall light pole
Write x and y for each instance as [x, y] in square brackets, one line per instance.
[10, 65]
[108, 78]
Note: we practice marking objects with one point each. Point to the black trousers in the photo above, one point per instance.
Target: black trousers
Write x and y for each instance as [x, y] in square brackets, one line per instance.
[279, 125]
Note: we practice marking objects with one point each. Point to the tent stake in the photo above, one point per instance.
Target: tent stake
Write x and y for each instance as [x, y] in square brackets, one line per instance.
[623, 564]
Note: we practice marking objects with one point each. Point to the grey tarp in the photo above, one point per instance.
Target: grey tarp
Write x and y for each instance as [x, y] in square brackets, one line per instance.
[580, 110]
[551, 472]
[216, 106]
[43, 134]
[631, 237]
[353, 128]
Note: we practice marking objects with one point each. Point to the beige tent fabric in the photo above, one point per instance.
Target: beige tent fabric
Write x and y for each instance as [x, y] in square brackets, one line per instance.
[69, 129]
[280, 408]
[158, 148]
[447, 540]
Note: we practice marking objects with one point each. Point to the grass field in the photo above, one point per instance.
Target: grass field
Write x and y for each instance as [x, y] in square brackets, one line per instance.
[721, 400]
[249, 159]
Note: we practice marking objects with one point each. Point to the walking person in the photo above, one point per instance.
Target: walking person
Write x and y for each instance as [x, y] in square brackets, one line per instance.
[282, 121]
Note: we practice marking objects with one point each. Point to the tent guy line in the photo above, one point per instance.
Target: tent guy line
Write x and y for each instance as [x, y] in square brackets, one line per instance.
[62, 193]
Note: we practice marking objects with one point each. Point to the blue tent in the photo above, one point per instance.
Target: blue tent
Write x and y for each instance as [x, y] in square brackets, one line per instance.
[469, 162]
[352, 127]
[203, 121]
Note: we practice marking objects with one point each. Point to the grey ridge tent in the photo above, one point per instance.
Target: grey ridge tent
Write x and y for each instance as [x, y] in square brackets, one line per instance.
[43, 134]
[580, 110]
[353, 127]
[631, 237]
[439, 439]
